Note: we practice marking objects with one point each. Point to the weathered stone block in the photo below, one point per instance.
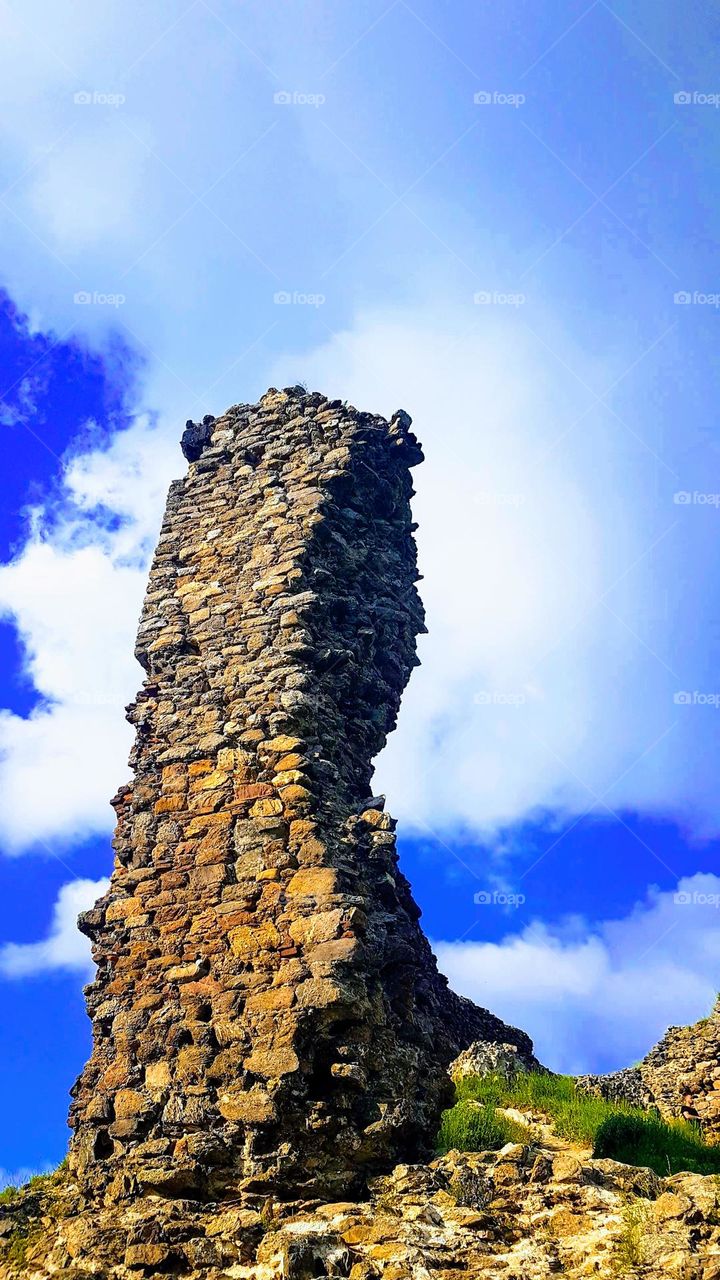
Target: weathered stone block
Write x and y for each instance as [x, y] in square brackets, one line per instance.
[247, 941]
[272, 1062]
[314, 882]
[252, 1106]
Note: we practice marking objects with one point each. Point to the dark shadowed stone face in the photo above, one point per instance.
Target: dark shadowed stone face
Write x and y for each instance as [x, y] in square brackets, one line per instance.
[195, 436]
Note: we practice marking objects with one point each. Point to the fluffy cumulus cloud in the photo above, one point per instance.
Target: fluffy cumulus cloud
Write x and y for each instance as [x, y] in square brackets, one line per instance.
[74, 593]
[64, 948]
[556, 565]
[545, 684]
[553, 583]
[595, 997]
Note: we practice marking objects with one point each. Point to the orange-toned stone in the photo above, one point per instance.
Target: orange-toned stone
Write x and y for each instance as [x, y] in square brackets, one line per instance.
[213, 846]
[200, 824]
[273, 998]
[292, 761]
[174, 778]
[157, 1075]
[251, 1106]
[128, 1103]
[314, 882]
[253, 790]
[208, 781]
[246, 941]
[272, 1062]
[266, 808]
[198, 767]
[169, 804]
[283, 743]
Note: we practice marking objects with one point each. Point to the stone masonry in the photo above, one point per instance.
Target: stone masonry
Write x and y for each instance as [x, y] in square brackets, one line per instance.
[268, 1017]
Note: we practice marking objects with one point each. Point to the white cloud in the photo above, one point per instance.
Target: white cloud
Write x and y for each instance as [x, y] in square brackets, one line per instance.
[128, 477]
[59, 766]
[542, 687]
[599, 996]
[550, 569]
[64, 947]
[88, 188]
[24, 406]
[74, 593]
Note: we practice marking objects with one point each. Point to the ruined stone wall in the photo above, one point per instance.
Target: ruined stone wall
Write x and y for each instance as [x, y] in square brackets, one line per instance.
[680, 1076]
[267, 1014]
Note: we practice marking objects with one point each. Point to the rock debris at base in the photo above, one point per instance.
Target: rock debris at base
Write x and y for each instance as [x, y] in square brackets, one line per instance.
[526, 1212]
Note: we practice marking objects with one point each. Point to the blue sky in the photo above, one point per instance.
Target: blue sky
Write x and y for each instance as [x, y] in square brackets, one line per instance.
[503, 218]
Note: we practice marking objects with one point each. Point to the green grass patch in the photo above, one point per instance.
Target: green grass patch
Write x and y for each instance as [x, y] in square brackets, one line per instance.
[629, 1251]
[575, 1115]
[37, 1182]
[645, 1140]
[471, 1127]
[613, 1130]
[25, 1204]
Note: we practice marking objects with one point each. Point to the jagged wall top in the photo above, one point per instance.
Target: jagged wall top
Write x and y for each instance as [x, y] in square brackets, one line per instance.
[329, 475]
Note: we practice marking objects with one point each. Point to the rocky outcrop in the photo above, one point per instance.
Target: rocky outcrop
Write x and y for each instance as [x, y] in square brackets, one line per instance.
[486, 1057]
[527, 1212]
[268, 1017]
[680, 1077]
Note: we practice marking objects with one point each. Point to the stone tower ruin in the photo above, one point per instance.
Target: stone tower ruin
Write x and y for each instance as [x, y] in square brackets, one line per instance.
[268, 1018]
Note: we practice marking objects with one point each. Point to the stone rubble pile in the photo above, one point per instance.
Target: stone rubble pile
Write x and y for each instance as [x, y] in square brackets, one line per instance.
[527, 1212]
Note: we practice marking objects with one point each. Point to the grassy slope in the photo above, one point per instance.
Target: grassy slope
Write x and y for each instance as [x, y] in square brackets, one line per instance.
[613, 1130]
